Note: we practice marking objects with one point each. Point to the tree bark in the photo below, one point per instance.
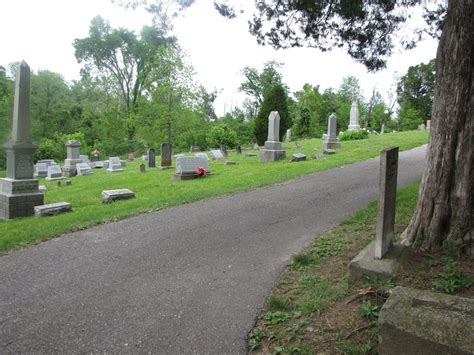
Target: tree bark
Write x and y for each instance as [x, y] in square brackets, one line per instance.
[444, 215]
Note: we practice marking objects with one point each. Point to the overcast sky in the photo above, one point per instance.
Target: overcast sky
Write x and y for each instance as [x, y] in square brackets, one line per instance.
[42, 32]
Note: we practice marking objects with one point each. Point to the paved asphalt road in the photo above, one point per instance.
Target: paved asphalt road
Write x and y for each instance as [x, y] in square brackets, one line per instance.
[189, 279]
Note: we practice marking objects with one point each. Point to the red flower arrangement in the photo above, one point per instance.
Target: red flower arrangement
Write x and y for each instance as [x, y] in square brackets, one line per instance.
[201, 171]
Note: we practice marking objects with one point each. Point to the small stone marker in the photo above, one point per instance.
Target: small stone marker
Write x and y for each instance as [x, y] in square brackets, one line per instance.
[216, 154]
[131, 157]
[424, 322]
[387, 202]
[98, 164]
[166, 150]
[202, 155]
[54, 173]
[83, 169]
[41, 169]
[298, 157]
[238, 150]
[250, 154]
[113, 195]
[142, 168]
[318, 156]
[144, 157]
[223, 150]
[52, 209]
[331, 141]
[186, 167]
[115, 165]
[151, 158]
[230, 163]
[194, 149]
[255, 147]
[329, 151]
[42, 189]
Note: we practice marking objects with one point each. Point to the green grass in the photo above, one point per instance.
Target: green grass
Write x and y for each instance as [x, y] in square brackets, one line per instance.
[156, 190]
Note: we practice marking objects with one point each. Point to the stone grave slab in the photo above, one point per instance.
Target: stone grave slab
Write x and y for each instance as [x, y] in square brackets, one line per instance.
[115, 165]
[98, 164]
[298, 157]
[48, 162]
[52, 209]
[84, 158]
[329, 151]
[41, 169]
[166, 152]
[186, 167]
[424, 322]
[42, 188]
[216, 154]
[108, 196]
[54, 173]
[83, 169]
[230, 163]
[318, 156]
[250, 154]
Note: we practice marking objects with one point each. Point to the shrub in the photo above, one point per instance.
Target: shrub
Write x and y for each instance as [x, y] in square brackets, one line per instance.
[353, 135]
[221, 134]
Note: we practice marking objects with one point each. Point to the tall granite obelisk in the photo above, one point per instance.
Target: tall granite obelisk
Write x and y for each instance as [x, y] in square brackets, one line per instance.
[272, 150]
[19, 192]
[354, 117]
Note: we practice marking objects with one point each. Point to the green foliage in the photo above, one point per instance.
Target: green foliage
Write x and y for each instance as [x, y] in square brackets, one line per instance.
[369, 310]
[408, 118]
[452, 280]
[276, 100]
[277, 303]
[256, 336]
[353, 135]
[221, 134]
[274, 318]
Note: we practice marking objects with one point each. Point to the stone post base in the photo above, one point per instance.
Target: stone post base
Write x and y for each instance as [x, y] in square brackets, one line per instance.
[267, 155]
[331, 144]
[18, 198]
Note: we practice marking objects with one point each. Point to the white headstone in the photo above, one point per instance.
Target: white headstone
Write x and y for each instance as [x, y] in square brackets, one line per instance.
[274, 127]
[201, 155]
[41, 169]
[216, 154]
[54, 172]
[188, 165]
[288, 135]
[115, 165]
[83, 169]
[354, 117]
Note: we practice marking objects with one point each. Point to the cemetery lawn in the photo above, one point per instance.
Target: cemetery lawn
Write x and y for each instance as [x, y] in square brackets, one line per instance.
[155, 190]
[313, 310]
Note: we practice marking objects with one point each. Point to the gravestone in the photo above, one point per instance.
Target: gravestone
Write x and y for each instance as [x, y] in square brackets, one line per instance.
[115, 165]
[298, 157]
[331, 141]
[223, 150]
[19, 192]
[151, 158]
[194, 149]
[382, 129]
[255, 146]
[131, 157]
[201, 155]
[73, 149]
[84, 158]
[41, 169]
[272, 150]
[250, 154]
[421, 127]
[318, 156]
[83, 169]
[142, 168]
[238, 150]
[48, 162]
[329, 151]
[186, 167]
[54, 173]
[144, 157]
[387, 201]
[216, 154]
[108, 196]
[52, 209]
[166, 153]
[42, 189]
[98, 164]
[428, 124]
[230, 163]
[288, 135]
[354, 117]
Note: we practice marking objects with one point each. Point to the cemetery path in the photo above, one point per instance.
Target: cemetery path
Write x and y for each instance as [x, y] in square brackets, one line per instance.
[188, 279]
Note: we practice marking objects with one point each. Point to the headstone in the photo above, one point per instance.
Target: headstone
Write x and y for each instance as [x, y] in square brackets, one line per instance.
[98, 164]
[144, 157]
[298, 157]
[250, 154]
[73, 158]
[331, 141]
[238, 150]
[115, 165]
[54, 173]
[421, 127]
[354, 117]
[42, 189]
[272, 150]
[255, 146]
[151, 158]
[113, 195]
[223, 150]
[329, 151]
[428, 124]
[387, 201]
[230, 163]
[48, 162]
[382, 129]
[142, 168]
[84, 158]
[19, 192]
[166, 161]
[83, 169]
[186, 167]
[318, 156]
[41, 169]
[216, 154]
[131, 157]
[424, 322]
[288, 135]
[194, 149]
[201, 155]
[52, 209]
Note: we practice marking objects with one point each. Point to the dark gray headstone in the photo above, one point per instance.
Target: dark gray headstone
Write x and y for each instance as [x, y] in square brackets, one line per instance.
[166, 153]
[142, 168]
[151, 158]
[52, 209]
[238, 150]
[387, 202]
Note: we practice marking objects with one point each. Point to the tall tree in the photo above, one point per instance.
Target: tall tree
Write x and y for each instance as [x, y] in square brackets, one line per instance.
[367, 30]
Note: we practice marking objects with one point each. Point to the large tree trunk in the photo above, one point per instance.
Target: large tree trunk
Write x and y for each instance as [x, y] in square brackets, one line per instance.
[445, 208]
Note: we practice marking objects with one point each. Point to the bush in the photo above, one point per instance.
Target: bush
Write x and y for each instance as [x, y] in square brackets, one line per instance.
[353, 135]
[222, 134]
